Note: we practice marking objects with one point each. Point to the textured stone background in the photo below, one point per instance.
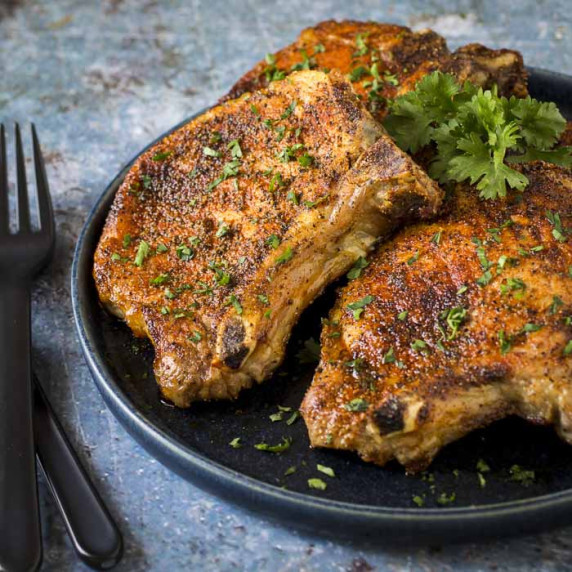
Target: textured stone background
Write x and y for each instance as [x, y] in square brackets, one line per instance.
[101, 78]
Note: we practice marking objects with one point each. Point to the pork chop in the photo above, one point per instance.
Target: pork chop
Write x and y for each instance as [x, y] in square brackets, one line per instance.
[222, 233]
[454, 324]
[385, 60]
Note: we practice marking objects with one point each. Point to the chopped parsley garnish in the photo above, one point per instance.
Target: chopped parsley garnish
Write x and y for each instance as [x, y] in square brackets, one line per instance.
[312, 204]
[504, 343]
[273, 241]
[528, 328]
[235, 303]
[462, 289]
[436, 238]
[522, 476]
[223, 230]
[362, 48]
[161, 156]
[169, 294]
[203, 289]
[481, 255]
[230, 169]
[142, 253]
[305, 160]
[485, 278]
[289, 110]
[326, 470]
[418, 500]
[292, 419]
[358, 73]
[161, 248]
[444, 499]
[292, 197]
[558, 232]
[482, 466]
[285, 256]
[359, 306]
[126, 240]
[454, 318]
[402, 316]
[146, 179]
[355, 364]
[289, 152]
[222, 278]
[235, 443]
[413, 259]
[276, 182]
[356, 269]
[284, 445]
[474, 130]
[235, 150]
[263, 298]
[184, 252]
[161, 279]
[418, 345]
[317, 484]
[271, 72]
[556, 304]
[290, 471]
[357, 405]
[307, 62]
[389, 356]
[196, 337]
[568, 349]
[209, 152]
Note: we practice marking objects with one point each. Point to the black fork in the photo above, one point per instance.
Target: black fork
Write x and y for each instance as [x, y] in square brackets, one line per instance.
[22, 255]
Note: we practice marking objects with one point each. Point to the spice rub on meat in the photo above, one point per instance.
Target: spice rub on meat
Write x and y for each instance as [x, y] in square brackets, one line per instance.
[223, 232]
[384, 61]
[454, 324]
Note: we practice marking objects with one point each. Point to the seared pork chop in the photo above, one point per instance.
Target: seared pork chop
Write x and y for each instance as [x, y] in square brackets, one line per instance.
[454, 324]
[227, 229]
[384, 60]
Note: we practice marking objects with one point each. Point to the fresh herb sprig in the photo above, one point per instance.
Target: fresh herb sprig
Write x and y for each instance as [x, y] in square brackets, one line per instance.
[477, 133]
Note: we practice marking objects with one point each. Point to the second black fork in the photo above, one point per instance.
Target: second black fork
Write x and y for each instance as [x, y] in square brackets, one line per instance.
[22, 255]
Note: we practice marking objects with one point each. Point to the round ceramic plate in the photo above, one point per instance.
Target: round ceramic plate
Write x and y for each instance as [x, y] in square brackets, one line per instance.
[458, 501]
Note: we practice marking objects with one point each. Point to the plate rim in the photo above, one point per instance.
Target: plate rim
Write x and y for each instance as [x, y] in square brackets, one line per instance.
[259, 495]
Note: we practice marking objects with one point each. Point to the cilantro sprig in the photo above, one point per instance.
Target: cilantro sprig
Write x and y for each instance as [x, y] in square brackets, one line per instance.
[477, 134]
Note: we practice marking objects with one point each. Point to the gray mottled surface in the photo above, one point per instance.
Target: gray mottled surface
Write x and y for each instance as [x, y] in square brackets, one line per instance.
[101, 78]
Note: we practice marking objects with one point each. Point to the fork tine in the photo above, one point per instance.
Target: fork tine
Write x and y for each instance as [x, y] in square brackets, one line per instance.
[23, 203]
[44, 199]
[4, 211]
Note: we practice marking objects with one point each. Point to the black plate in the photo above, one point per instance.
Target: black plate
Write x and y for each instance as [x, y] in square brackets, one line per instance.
[362, 500]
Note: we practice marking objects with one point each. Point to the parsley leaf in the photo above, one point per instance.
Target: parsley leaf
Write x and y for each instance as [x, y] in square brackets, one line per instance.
[356, 269]
[358, 307]
[477, 133]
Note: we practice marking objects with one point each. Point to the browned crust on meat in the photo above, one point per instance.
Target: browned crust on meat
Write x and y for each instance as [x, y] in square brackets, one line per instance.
[426, 399]
[262, 243]
[403, 57]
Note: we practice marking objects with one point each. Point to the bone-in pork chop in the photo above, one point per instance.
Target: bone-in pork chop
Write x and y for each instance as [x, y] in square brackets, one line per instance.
[454, 324]
[384, 60]
[227, 229]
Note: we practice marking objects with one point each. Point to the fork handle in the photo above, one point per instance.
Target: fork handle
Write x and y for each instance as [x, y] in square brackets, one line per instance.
[94, 534]
[20, 539]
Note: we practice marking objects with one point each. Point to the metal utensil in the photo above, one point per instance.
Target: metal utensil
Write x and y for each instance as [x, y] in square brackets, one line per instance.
[22, 255]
